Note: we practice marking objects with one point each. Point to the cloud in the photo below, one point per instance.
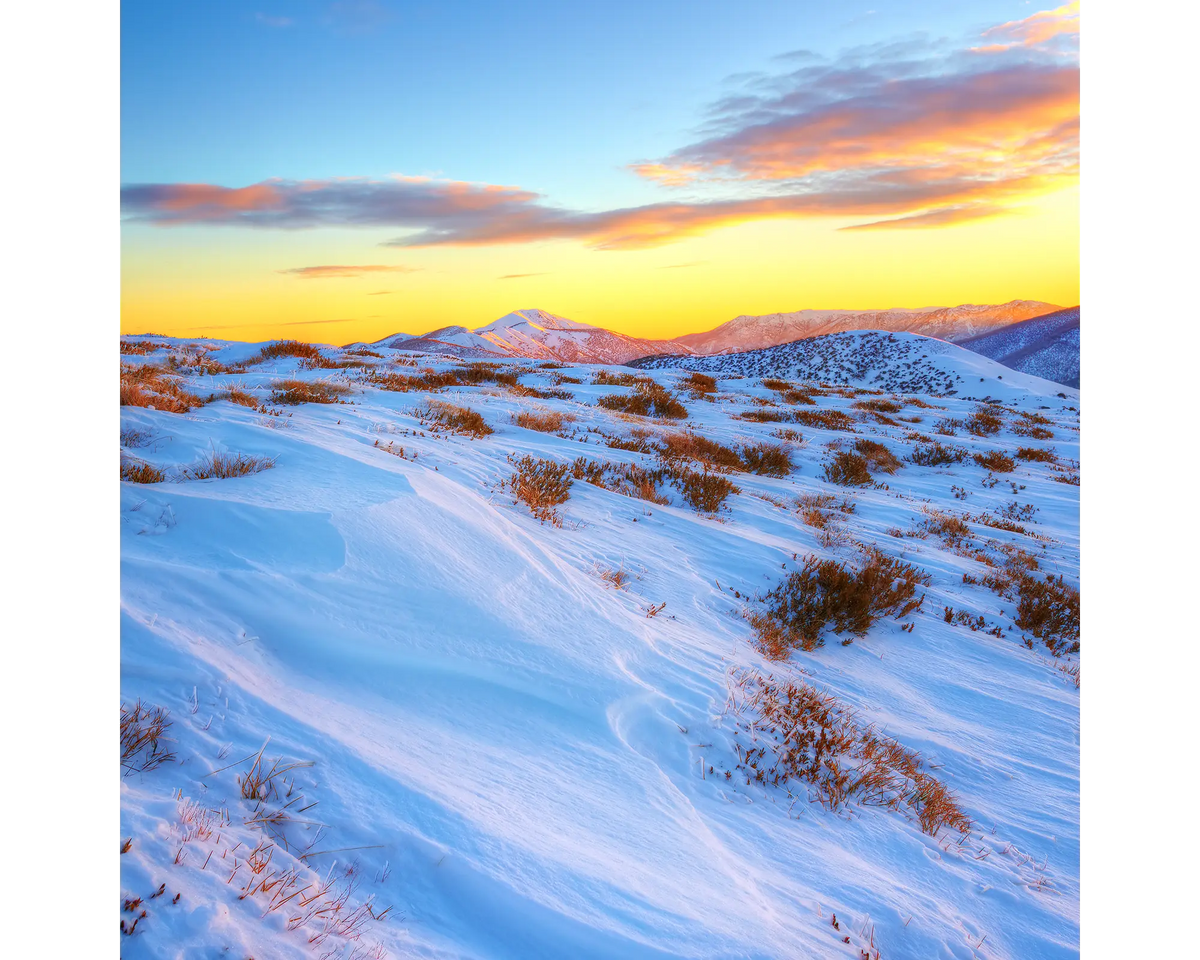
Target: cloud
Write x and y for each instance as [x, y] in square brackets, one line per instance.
[1040, 29]
[908, 133]
[278, 23]
[327, 272]
[518, 276]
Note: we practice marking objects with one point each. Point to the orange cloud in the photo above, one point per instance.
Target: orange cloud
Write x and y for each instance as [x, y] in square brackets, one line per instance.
[327, 272]
[1040, 28]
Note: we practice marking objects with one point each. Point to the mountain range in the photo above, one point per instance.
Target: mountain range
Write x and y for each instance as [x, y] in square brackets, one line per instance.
[1027, 335]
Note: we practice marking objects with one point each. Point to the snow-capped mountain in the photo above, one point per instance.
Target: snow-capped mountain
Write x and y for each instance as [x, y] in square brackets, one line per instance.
[1045, 346]
[945, 323]
[537, 334]
[900, 362]
[454, 341]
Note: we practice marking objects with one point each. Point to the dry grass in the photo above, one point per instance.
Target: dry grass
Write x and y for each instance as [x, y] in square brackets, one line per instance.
[616, 578]
[710, 454]
[463, 421]
[703, 492]
[847, 470]
[545, 422]
[284, 348]
[143, 737]
[242, 398]
[132, 437]
[699, 384]
[798, 734]
[294, 392]
[140, 347]
[984, 422]
[826, 594]
[1049, 609]
[995, 461]
[542, 485]
[149, 385]
[649, 399]
[606, 378]
[138, 471]
[1036, 455]
[825, 419]
[878, 456]
[935, 454]
[767, 459]
[626, 479]
[878, 405]
[223, 466]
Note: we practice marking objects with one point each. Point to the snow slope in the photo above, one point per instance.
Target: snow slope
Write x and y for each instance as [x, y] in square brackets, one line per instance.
[1045, 346]
[904, 362]
[512, 755]
[946, 323]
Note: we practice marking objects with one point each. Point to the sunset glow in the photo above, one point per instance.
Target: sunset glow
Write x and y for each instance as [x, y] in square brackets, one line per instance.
[873, 168]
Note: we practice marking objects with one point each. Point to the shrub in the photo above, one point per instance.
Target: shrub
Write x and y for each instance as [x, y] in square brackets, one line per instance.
[1037, 455]
[983, 421]
[825, 419]
[606, 378]
[815, 740]
[140, 347]
[877, 406]
[239, 396]
[546, 422]
[132, 437]
[935, 454]
[648, 399]
[995, 461]
[704, 492]
[459, 420]
[699, 383]
[294, 392]
[773, 383]
[848, 470]
[828, 594]
[284, 348]
[148, 385]
[1049, 609]
[542, 485]
[768, 416]
[138, 471]
[767, 459]
[878, 456]
[798, 396]
[223, 466]
[629, 480]
[691, 446]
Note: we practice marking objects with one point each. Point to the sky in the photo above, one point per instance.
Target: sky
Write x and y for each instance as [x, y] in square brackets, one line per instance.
[337, 172]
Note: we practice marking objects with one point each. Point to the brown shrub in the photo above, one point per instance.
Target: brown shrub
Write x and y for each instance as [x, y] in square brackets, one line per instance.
[542, 485]
[629, 480]
[143, 735]
[1037, 455]
[140, 347]
[699, 383]
[606, 378]
[284, 348]
[801, 396]
[649, 399]
[878, 456]
[691, 446]
[983, 422]
[995, 461]
[847, 469]
[703, 492]
[825, 419]
[459, 420]
[767, 459]
[1049, 609]
[138, 471]
[294, 392]
[1032, 431]
[223, 466]
[545, 422]
[935, 454]
[877, 406]
[239, 396]
[773, 383]
[148, 385]
[815, 740]
[828, 594]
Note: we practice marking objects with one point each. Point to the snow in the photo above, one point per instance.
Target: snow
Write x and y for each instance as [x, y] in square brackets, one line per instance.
[1044, 347]
[517, 749]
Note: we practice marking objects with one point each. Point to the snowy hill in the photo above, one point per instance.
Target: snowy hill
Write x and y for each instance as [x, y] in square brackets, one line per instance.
[536, 334]
[1046, 346]
[407, 717]
[905, 362]
[946, 323]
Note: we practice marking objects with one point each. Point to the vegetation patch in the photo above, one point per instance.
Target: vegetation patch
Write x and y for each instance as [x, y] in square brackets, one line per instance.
[878, 456]
[649, 399]
[542, 485]
[995, 461]
[829, 595]
[223, 466]
[464, 421]
[847, 470]
[935, 454]
[294, 392]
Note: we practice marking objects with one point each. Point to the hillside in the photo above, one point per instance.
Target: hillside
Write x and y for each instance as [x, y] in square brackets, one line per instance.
[1046, 346]
[512, 660]
[903, 362]
[946, 323]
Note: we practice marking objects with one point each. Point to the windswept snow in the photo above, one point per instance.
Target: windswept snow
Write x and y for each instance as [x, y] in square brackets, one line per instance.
[514, 757]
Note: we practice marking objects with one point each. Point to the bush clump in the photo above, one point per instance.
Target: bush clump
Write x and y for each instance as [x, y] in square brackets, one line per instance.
[295, 392]
[995, 461]
[704, 492]
[542, 485]
[936, 454]
[847, 470]
[464, 421]
[649, 399]
[878, 456]
[826, 594]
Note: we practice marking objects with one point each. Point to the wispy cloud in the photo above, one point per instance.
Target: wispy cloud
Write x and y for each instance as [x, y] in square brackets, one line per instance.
[518, 276]
[341, 271]
[908, 133]
[278, 23]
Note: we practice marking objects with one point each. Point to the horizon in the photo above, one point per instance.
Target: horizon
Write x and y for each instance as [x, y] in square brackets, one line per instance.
[341, 173]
